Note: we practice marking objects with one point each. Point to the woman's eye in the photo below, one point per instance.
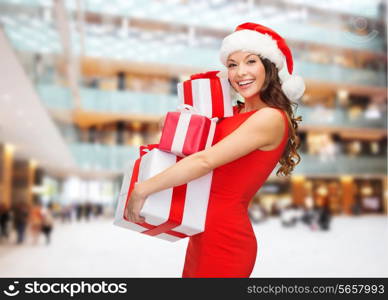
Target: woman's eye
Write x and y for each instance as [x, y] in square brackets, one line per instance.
[231, 65]
[251, 61]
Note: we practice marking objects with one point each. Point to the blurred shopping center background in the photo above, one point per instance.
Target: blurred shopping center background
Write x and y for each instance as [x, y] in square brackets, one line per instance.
[84, 83]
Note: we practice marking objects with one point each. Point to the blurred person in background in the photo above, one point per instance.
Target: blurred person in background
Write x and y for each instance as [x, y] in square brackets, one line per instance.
[65, 213]
[35, 221]
[356, 208]
[319, 217]
[324, 215]
[99, 210]
[4, 219]
[309, 214]
[20, 214]
[88, 210]
[78, 211]
[290, 215]
[47, 223]
[247, 147]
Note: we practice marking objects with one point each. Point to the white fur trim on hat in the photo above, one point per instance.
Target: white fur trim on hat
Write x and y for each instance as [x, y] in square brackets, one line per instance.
[292, 85]
[252, 41]
[263, 44]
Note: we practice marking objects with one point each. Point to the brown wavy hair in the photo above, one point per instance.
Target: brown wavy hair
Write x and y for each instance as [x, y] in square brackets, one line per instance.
[271, 93]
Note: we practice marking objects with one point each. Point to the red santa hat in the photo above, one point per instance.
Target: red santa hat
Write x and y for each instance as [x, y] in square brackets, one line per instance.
[261, 40]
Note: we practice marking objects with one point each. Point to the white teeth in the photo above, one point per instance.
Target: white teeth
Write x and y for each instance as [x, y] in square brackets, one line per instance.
[245, 82]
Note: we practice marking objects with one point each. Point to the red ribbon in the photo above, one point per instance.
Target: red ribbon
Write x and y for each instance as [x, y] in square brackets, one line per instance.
[215, 88]
[187, 92]
[168, 132]
[209, 75]
[217, 98]
[176, 210]
[196, 135]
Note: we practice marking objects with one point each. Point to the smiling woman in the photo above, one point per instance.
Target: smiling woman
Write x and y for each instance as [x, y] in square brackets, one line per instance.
[245, 150]
[246, 74]
[257, 80]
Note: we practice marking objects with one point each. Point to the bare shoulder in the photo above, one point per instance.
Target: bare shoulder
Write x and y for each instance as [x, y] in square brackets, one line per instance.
[269, 117]
[262, 130]
[269, 111]
[271, 124]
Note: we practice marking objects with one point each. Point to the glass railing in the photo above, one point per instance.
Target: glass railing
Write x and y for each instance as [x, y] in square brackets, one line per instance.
[341, 164]
[126, 102]
[39, 39]
[338, 74]
[104, 157]
[55, 96]
[225, 16]
[109, 101]
[339, 117]
[117, 158]
[367, 8]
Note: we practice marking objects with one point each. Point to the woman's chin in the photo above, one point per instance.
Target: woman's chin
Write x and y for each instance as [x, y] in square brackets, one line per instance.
[246, 94]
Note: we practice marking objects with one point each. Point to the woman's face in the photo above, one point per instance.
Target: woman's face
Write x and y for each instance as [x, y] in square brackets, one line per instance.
[246, 73]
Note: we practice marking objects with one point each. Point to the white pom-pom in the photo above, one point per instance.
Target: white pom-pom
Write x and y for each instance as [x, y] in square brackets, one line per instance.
[293, 87]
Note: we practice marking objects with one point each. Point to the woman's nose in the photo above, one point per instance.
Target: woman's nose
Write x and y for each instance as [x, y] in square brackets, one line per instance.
[241, 70]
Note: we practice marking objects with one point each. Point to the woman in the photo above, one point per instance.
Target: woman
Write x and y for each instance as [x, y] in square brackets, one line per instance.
[247, 147]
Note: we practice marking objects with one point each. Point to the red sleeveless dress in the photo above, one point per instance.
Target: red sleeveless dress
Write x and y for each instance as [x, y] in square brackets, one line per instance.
[228, 246]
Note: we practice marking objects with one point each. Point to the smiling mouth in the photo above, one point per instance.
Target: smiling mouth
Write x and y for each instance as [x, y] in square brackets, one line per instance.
[245, 83]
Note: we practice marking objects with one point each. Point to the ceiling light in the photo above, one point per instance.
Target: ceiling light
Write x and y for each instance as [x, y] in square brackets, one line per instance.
[9, 148]
[33, 163]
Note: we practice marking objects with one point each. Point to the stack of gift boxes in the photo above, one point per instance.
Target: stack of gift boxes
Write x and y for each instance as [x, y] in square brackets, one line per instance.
[179, 212]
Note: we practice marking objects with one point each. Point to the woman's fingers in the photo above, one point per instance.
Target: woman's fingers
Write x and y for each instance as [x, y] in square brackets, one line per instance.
[128, 213]
[139, 219]
[135, 205]
[134, 216]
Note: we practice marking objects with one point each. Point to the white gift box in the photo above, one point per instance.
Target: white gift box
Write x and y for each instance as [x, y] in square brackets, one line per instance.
[158, 207]
[208, 94]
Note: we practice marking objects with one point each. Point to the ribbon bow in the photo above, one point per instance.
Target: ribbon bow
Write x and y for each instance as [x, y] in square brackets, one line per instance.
[210, 75]
[190, 109]
[187, 108]
[149, 147]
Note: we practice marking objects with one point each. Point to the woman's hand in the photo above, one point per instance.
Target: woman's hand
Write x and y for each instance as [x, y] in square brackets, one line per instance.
[135, 204]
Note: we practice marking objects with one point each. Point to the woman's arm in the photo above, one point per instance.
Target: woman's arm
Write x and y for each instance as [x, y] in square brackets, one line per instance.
[264, 127]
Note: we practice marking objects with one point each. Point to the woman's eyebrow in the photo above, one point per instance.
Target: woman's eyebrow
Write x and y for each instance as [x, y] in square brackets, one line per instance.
[248, 55]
